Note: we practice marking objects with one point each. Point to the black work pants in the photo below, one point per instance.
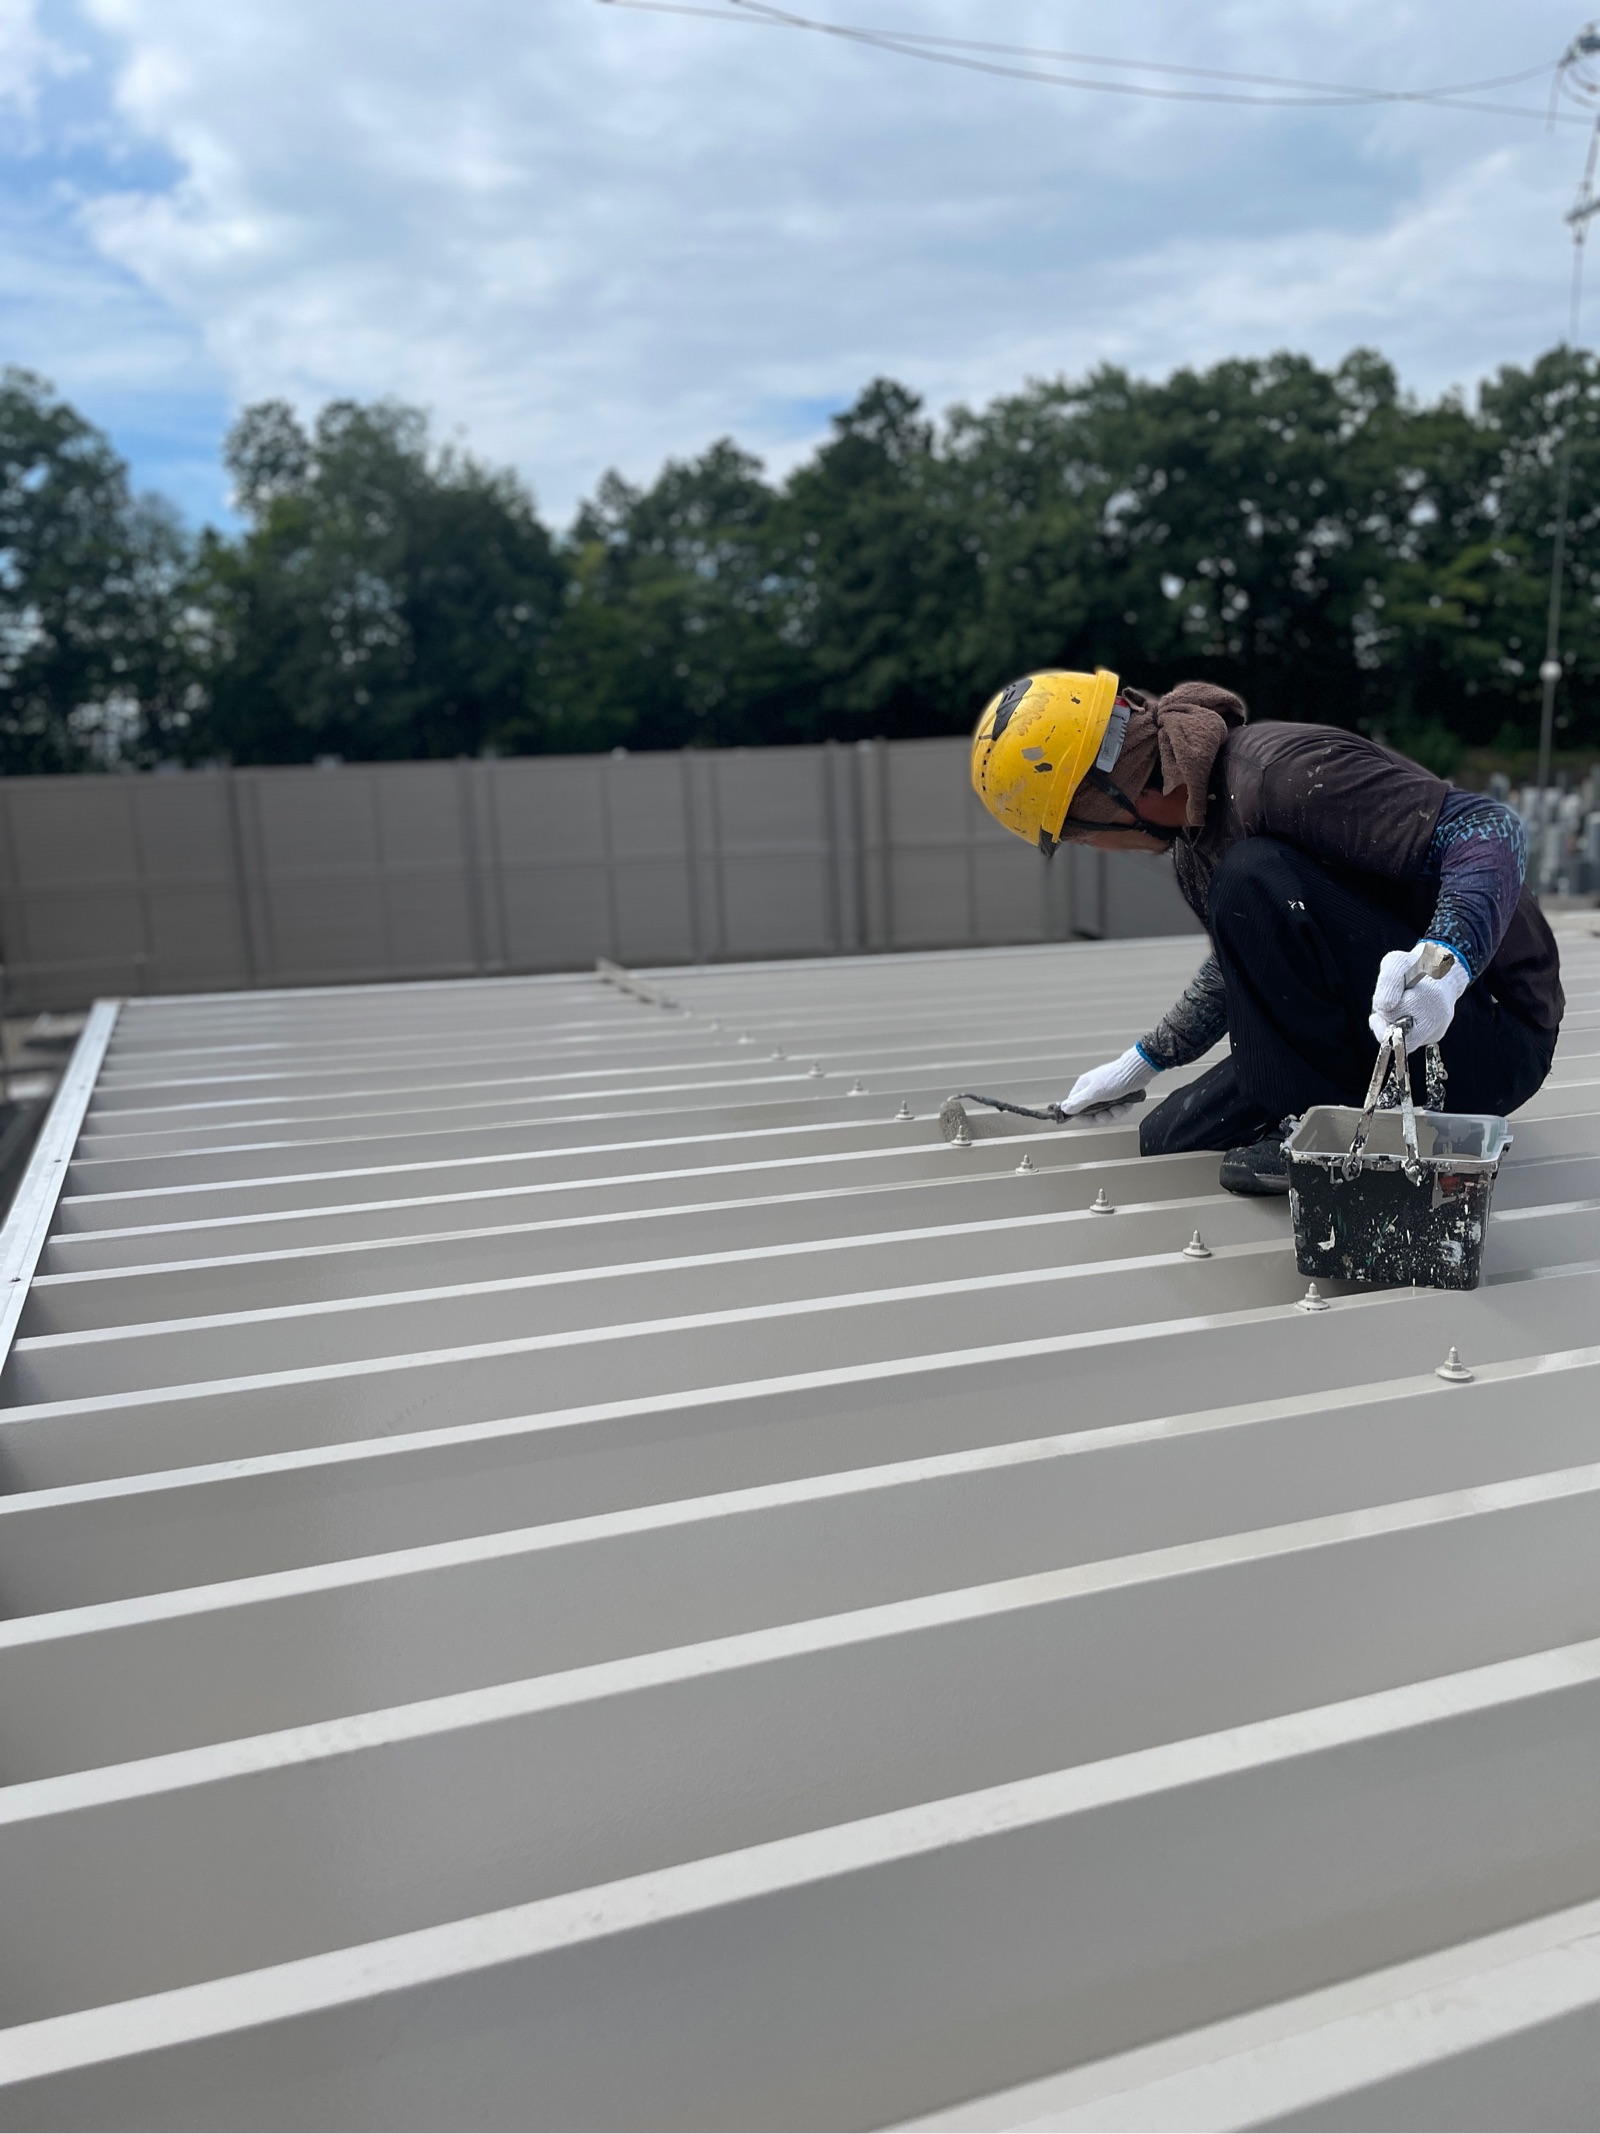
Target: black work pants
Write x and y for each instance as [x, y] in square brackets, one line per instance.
[1299, 951]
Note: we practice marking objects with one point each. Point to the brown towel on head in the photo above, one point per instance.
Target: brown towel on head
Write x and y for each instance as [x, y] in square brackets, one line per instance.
[1184, 730]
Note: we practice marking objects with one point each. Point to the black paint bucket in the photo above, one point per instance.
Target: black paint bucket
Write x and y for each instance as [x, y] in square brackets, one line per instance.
[1385, 1216]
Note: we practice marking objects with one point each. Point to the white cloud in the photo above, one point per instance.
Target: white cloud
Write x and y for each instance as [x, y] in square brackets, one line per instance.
[27, 56]
[587, 236]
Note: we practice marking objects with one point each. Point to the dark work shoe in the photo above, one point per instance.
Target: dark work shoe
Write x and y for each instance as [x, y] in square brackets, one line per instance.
[1260, 1168]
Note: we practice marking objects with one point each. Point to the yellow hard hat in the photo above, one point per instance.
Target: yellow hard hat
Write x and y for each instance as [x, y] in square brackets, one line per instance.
[1036, 742]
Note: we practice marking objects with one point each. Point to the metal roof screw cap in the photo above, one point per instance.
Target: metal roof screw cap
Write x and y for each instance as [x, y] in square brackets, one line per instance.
[1025, 1167]
[1313, 1300]
[776, 1053]
[1197, 1248]
[1453, 1371]
[814, 1069]
[856, 1089]
[905, 1111]
[745, 1038]
[1100, 1205]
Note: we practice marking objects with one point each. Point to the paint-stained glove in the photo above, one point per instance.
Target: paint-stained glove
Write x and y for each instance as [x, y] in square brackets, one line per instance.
[1105, 1090]
[1425, 983]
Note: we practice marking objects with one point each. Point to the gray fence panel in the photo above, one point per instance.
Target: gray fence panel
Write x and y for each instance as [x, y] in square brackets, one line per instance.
[360, 870]
[105, 881]
[1143, 897]
[547, 860]
[208, 880]
[770, 850]
[1118, 896]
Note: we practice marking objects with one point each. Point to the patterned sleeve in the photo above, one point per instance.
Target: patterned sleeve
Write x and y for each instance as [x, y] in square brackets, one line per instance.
[1479, 851]
[1193, 1026]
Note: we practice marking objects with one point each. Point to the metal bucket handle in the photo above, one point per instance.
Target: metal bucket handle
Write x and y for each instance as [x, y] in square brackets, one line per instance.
[1391, 1060]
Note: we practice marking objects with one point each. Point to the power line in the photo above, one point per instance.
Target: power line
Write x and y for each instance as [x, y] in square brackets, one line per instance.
[1339, 90]
[965, 53]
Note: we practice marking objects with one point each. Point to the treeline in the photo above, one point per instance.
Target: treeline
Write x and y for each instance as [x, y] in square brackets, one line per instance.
[1313, 538]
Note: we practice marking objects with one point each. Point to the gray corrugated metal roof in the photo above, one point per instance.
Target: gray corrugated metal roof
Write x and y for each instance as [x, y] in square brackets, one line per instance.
[563, 1565]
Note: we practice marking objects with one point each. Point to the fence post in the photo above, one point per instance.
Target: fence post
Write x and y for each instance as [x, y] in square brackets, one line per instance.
[880, 751]
[872, 794]
[608, 846]
[486, 774]
[691, 856]
[236, 863]
[1056, 896]
[855, 800]
[471, 865]
[832, 848]
[1088, 892]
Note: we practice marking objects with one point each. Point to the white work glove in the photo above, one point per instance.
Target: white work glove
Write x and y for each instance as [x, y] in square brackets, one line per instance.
[1405, 989]
[1103, 1088]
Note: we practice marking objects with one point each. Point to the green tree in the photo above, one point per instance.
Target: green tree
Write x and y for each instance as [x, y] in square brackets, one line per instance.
[99, 637]
[1309, 536]
[677, 631]
[888, 572]
[1233, 524]
[386, 600]
[1474, 626]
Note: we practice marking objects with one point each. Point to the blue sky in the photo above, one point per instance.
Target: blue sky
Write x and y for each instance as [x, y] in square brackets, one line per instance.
[584, 236]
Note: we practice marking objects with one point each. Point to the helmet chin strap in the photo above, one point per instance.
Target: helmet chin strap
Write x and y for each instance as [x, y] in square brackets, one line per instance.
[1103, 782]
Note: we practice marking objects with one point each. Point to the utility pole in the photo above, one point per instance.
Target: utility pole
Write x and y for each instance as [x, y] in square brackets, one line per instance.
[1575, 73]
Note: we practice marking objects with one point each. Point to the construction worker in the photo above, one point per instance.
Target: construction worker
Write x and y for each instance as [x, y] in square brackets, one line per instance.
[1342, 887]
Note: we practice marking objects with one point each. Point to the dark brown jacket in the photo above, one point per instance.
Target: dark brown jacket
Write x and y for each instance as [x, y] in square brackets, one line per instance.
[1368, 815]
